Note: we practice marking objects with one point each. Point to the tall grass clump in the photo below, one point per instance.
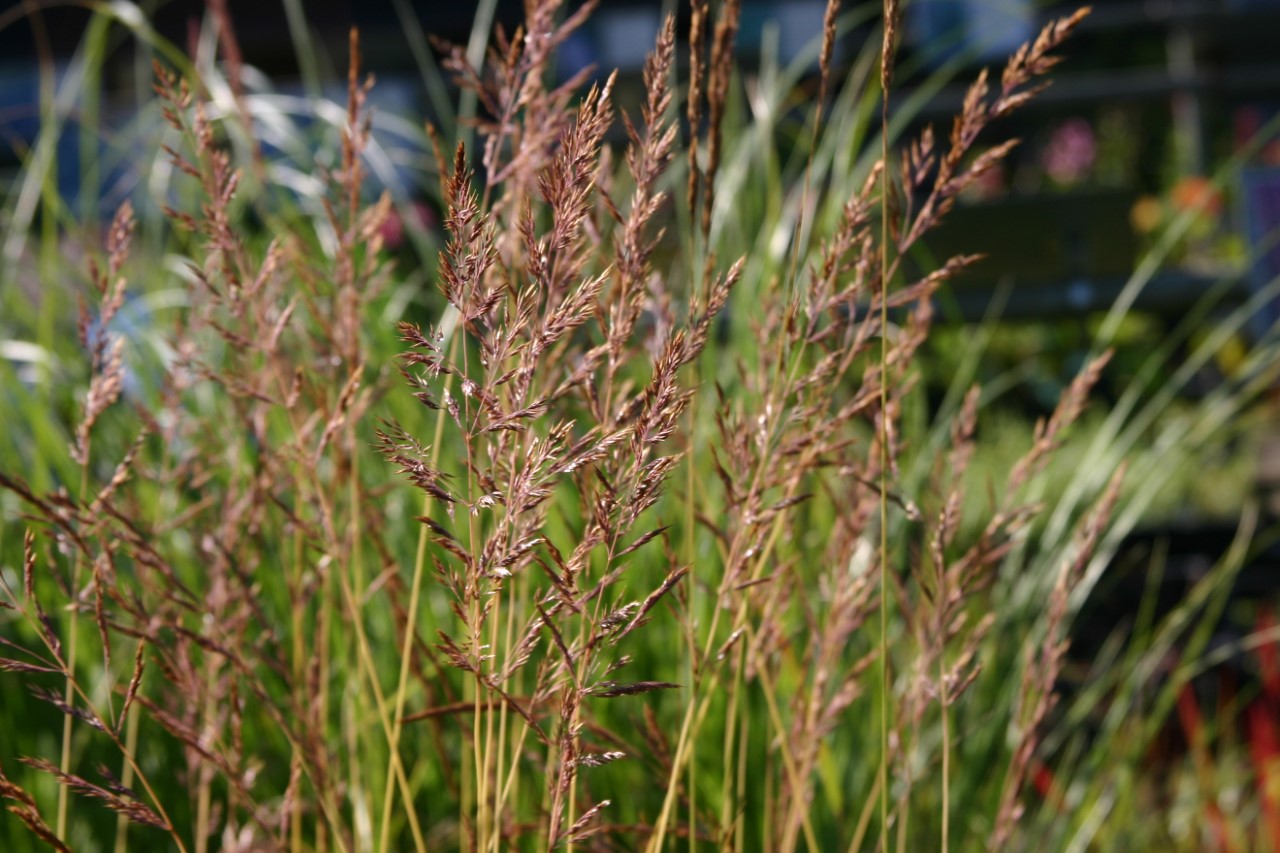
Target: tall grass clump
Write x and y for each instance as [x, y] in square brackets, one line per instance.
[621, 538]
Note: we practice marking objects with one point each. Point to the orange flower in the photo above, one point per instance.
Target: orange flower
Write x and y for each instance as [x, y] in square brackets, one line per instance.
[1194, 192]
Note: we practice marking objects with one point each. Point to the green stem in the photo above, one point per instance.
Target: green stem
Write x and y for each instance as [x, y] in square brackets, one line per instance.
[73, 645]
[885, 678]
[126, 776]
[946, 755]
[204, 796]
[406, 645]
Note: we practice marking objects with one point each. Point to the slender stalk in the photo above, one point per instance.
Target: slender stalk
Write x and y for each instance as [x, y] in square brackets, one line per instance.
[406, 645]
[73, 646]
[349, 730]
[864, 818]
[476, 626]
[500, 767]
[781, 382]
[701, 692]
[690, 527]
[466, 823]
[64, 763]
[766, 813]
[308, 475]
[886, 681]
[384, 714]
[944, 702]
[511, 784]
[495, 625]
[323, 649]
[303, 46]
[296, 842]
[477, 718]
[204, 794]
[740, 822]
[126, 777]
[780, 732]
[128, 755]
[734, 746]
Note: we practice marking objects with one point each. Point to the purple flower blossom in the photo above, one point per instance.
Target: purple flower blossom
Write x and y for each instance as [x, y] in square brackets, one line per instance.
[1071, 152]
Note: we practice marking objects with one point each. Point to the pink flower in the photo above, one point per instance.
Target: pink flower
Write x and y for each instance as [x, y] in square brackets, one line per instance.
[393, 229]
[1071, 152]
